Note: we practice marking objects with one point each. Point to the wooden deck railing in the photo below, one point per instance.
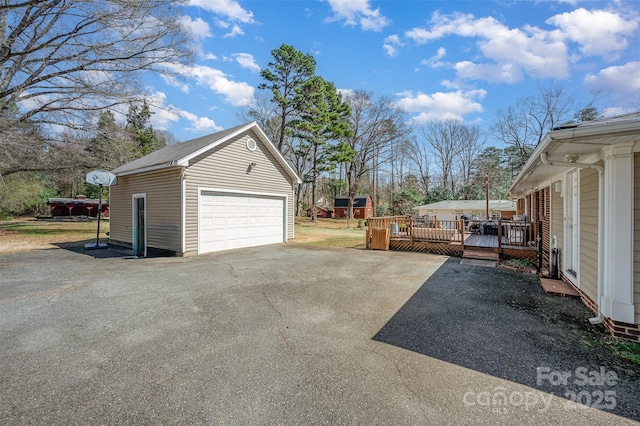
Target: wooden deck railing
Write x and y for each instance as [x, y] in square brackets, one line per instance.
[502, 233]
[418, 229]
[517, 233]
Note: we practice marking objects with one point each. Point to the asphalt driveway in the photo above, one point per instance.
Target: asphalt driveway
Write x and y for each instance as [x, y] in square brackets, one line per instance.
[290, 334]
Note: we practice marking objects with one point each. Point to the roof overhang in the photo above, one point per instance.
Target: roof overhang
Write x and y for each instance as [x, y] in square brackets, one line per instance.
[263, 137]
[156, 167]
[582, 144]
[184, 161]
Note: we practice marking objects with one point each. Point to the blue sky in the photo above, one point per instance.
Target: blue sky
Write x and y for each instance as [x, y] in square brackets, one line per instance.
[436, 59]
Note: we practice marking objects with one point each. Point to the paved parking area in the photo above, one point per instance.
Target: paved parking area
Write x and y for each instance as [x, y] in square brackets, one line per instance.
[284, 334]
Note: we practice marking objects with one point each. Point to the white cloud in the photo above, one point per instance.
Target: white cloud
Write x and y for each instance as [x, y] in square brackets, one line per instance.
[199, 124]
[441, 106]
[236, 93]
[599, 32]
[210, 56]
[230, 9]
[506, 73]
[197, 27]
[434, 61]
[174, 82]
[390, 45]
[512, 51]
[246, 61]
[164, 115]
[358, 12]
[346, 92]
[235, 31]
[620, 82]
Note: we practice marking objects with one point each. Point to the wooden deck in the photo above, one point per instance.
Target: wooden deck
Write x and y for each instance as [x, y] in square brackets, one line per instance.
[490, 241]
[452, 238]
[478, 240]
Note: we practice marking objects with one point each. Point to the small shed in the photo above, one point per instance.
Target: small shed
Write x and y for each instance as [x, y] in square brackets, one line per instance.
[80, 206]
[321, 212]
[449, 209]
[230, 189]
[362, 207]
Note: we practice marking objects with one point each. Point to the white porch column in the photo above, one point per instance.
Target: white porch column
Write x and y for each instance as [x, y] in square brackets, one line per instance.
[617, 293]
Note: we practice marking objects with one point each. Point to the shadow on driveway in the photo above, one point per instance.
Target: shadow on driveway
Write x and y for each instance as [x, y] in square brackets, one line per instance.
[111, 252]
[503, 324]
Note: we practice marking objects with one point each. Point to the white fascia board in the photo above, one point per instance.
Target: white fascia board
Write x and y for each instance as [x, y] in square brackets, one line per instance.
[580, 132]
[184, 161]
[147, 169]
[265, 139]
[594, 130]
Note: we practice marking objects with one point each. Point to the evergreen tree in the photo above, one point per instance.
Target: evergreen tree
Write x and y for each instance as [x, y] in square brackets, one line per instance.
[323, 118]
[284, 76]
[142, 132]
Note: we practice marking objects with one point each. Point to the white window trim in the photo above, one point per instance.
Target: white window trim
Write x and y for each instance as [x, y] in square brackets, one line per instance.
[134, 225]
[575, 279]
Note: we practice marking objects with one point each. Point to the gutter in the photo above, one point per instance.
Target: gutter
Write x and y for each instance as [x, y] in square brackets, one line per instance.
[543, 157]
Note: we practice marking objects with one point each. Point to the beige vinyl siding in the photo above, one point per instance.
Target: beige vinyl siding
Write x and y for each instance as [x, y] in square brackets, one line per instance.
[163, 191]
[589, 233]
[557, 218]
[226, 167]
[636, 232]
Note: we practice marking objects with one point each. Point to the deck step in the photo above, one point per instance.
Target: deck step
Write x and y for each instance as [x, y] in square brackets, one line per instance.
[480, 255]
[558, 288]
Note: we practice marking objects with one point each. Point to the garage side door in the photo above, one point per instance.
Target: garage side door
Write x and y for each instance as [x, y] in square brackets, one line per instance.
[228, 221]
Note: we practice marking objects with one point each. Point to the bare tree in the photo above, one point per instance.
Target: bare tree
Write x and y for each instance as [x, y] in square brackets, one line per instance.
[376, 126]
[511, 128]
[445, 137]
[22, 147]
[471, 144]
[263, 112]
[525, 124]
[63, 58]
[420, 156]
[299, 157]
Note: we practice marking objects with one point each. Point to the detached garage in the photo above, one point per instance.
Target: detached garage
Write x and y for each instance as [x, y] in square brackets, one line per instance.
[228, 190]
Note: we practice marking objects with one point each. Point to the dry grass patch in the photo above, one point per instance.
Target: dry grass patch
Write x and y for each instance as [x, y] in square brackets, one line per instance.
[329, 233]
[31, 234]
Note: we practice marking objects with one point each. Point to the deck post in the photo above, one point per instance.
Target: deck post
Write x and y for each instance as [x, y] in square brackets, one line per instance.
[411, 231]
[499, 235]
[462, 234]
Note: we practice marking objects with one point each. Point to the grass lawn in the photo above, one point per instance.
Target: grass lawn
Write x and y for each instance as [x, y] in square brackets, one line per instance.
[329, 233]
[30, 234]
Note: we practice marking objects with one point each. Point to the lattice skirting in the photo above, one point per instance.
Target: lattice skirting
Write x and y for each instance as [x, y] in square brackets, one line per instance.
[444, 249]
[531, 255]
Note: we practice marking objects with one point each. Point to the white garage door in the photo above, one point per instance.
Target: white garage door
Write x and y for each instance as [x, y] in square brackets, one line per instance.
[229, 221]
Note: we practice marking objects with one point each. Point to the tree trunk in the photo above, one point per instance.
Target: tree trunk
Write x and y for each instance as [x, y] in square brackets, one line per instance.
[314, 212]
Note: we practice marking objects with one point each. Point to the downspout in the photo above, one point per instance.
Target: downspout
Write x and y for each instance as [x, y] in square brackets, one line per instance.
[543, 157]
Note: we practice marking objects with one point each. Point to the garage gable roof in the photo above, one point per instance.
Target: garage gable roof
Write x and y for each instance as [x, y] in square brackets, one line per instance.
[179, 155]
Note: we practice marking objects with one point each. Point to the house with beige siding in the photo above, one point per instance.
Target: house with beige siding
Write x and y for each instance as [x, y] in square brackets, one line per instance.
[227, 190]
[453, 209]
[583, 183]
